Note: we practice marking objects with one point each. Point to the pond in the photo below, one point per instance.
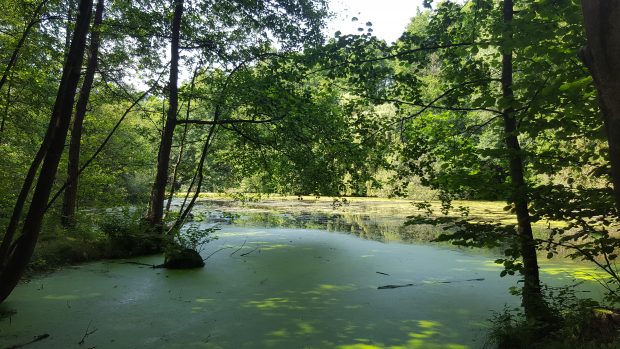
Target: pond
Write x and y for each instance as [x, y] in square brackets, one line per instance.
[279, 284]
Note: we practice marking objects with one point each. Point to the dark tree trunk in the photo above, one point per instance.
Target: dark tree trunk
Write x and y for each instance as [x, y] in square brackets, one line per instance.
[175, 170]
[70, 197]
[21, 250]
[158, 193]
[198, 176]
[5, 116]
[533, 302]
[11, 229]
[102, 145]
[183, 137]
[602, 57]
[70, 5]
[34, 20]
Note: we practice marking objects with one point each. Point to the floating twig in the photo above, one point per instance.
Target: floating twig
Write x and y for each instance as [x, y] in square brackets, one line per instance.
[223, 248]
[393, 286]
[87, 333]
[139, 263]
[237, 250]
[247, 253]
[387, 287]
[36, 339]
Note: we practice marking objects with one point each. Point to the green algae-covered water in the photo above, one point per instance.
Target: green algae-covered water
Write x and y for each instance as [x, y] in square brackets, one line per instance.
[284, 288]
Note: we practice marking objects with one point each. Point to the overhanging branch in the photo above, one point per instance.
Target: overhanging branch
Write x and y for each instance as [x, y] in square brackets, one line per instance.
[229, 121]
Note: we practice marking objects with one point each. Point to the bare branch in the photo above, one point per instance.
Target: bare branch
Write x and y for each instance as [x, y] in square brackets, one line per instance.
[229, 121]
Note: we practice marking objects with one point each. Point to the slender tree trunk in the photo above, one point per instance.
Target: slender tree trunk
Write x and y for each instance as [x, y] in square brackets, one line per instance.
[176, 165]
[70, 196]
[198, 177]
[183, 137]
[5, 115]
[11, 229]
[34, 20]
[101, 146]
[70, 5]
[533, 302]
[20, 203]
[158, 193]
[21, 250]
[602, 57]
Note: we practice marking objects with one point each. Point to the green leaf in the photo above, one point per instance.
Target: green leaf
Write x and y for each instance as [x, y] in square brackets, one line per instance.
[576, 85]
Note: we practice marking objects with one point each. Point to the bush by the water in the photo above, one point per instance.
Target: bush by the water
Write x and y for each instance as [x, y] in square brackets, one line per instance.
[581, 323]
[128, 233]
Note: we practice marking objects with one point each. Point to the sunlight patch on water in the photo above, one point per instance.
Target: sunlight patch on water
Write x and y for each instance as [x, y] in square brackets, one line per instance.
[204, 300]
[275, 303]
[70, 297]
[576, 272]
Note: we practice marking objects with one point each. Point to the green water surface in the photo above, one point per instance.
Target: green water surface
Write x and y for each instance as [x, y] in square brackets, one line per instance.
[282, 288]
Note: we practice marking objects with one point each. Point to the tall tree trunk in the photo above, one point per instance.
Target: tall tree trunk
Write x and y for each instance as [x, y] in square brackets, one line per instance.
[183, 137]
[34, 20]
[70, 5]
[11, 229]
[175, 169]
[158, 193]
[533, 302]
[21, 250]
[602, 57]
[102, 145]
[198, 177]
[70, 196]
[5, 115]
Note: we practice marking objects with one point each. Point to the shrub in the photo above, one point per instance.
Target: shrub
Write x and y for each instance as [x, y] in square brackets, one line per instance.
[582, 323]
[128, 233]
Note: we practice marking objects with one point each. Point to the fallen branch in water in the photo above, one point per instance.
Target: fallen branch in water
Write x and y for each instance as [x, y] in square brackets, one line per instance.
[247, 253]
[36, 339]
[87, 333]
[223, 248]
[237, 250]
[451, 282]
[393, 286]
[138, 263]
[387, 287]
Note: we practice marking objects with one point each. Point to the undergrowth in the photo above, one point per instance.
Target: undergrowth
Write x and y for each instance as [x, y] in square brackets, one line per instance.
[582, 324]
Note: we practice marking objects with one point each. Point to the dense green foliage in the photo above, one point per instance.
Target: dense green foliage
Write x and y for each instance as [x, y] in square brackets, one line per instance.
[266, 105]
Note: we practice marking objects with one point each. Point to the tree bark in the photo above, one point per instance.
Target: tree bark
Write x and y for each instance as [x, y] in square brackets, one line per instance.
[602, 57]
[533, 303]
[21, 250]
[70, 5]
[70, 196]
[175, 169]
[5, 115]
[199, 175]
[11, 229]
[158, 193]
[183, 137]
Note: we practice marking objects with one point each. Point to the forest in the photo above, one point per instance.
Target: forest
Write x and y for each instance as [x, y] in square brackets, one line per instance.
[193, 165]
